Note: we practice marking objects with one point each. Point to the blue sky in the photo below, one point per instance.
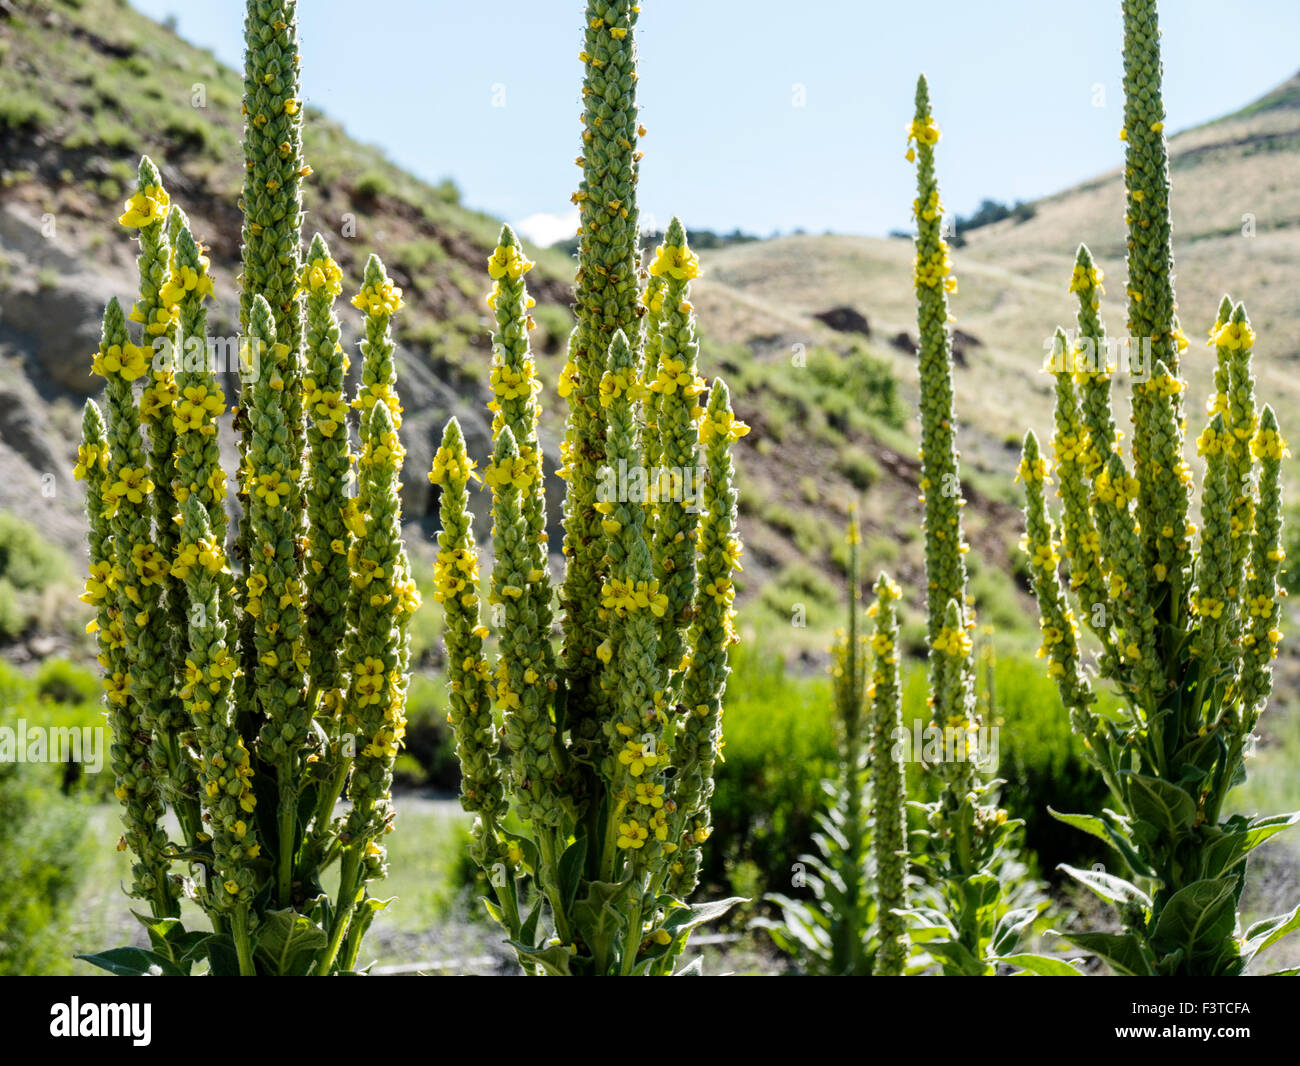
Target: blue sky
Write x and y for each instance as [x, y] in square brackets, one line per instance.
[1016, 86]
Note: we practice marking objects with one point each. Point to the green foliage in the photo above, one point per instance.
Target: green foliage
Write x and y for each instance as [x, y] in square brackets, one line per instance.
[1187, 632]
[61, 681]
[854, 381]
[43, 849]
[246, 700]
[609, 785]
[28, 561]
[780, 746]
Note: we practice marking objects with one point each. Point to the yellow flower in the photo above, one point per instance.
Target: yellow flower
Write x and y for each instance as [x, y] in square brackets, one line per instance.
[448, 465]
[508, 262]
[676, 261]
[128, 360]
[636, 758]
[955, 642]
[321, 275]
[383, 299]
[1234, 336]
[923, 132]
[271, 488]
[724, 425]
[145, 208]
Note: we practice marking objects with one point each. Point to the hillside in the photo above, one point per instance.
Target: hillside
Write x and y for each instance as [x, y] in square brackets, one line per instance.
[87, 85]
[1236, 210]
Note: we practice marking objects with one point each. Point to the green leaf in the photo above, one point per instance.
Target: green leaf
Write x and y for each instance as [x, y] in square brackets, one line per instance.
[1293, 971]
[171, 940]
[1123, 952]
[133, 962]
[1230, 849]
[554, 959]
[1039, 966]
[684, 919]
[1104, 829]
[223, 958]
[494, 912]
[1011, 928]
[287, 943]
[569, 871]
[528, 930]
[1264, 934]
[532, 857]
[1109, 887]
[927, 924]
[599, 918]
[1160, 804]
[1198, 918]
[694, 968]
[958, 958]
[981, 891]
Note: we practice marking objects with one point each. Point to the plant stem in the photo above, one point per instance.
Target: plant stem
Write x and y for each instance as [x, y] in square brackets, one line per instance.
[243, 948]
[343, 907]
[547, 845]
[288, 818]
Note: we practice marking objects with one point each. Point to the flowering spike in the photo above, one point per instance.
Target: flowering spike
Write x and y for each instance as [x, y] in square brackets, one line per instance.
[514, 405]
[712, 632]
[674, 391]
[888, 785]
[456, 588]
[606, 295]
[1263, 595]
[377, 652]
[226, 696]
[329, 467]
[1188, 636]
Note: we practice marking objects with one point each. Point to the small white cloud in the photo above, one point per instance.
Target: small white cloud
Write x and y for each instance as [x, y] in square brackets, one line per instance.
[545, 229]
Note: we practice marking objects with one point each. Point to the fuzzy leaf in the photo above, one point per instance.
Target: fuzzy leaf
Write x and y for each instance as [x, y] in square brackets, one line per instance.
[1040, 966]
[1198, 918]
[287, 943]
[1109, 887]
[1225, 853]
[133, 962]
[1264, 934]
[1160, 804]
[1123, 952]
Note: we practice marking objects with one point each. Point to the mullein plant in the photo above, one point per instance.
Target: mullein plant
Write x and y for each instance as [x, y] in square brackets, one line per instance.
[965, 915]
[855, 924]
[1186, 628]
[249, 694]
[590, 767]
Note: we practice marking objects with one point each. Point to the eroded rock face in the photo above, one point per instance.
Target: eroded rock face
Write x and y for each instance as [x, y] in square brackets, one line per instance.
[51, 303]
[845, 320]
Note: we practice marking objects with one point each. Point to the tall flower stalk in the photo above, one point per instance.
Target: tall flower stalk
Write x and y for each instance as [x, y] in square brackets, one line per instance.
[249, 698]
[1187, 627]
[604, 751]
[968, 921]
[854, 925]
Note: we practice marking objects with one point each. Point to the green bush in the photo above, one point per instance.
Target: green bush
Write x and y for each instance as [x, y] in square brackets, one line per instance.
[779, 745]
[430, 745]
[27, 560]
[855, 382]
[42, 854]
[63, 682]
[800, 583]
[859, 468]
